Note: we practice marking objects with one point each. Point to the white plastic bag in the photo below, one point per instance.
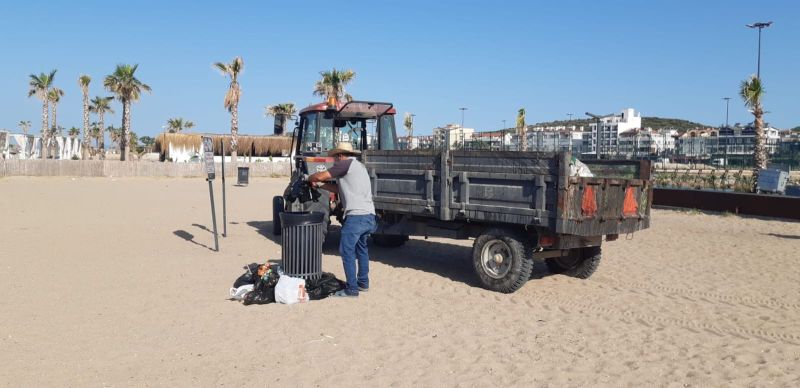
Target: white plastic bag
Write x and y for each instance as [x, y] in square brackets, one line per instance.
[238, 293]
[290, 290]
[578, 168]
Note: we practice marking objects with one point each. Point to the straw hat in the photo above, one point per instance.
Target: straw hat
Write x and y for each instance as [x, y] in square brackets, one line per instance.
[343, 147]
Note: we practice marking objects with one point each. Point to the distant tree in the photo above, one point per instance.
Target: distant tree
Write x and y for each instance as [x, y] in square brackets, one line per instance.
[408, 122]
[332, 84]
[285, 111]
[231, 102]
[751, 92]
[115, 135]
[128, 88]
[523, 141]
[24, 125]
[100, 106]
[74, 132]
[178, 124]
[147, 143]
[40, 86]
[83, 82]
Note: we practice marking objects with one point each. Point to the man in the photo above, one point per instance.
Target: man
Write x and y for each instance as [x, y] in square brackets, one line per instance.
[353, 186]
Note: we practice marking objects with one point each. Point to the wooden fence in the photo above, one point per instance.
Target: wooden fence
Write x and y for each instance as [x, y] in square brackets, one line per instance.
[113, 168]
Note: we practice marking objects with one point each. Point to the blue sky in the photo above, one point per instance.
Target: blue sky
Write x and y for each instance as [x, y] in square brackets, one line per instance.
[665, 58]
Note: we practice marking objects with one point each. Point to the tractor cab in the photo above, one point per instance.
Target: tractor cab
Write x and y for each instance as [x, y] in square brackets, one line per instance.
[367, 125]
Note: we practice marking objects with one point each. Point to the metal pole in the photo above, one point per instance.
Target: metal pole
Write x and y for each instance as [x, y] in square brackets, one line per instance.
[462, 126]
[224, 203]
[727, 105]
[213, 214]
[758, 69]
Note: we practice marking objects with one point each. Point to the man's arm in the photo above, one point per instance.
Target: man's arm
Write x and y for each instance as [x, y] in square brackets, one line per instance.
[321, 177]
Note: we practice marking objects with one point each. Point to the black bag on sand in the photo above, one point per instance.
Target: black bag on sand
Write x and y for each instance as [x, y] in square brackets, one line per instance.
[249, 277]
[323, 287]
[264, 290]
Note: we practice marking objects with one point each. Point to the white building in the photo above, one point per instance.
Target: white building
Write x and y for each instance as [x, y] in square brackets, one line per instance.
[458, 135]
[611, 126]
[638, 143]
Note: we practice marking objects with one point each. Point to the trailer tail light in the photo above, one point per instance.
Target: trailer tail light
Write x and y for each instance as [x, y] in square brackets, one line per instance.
[630, 207]
[589, 203]
[547, 241]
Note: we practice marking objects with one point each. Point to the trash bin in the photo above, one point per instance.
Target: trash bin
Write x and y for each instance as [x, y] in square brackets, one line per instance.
[243, 176]
[301, 243]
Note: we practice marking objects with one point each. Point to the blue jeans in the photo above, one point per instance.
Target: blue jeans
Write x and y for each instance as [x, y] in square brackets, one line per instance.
[353, 247]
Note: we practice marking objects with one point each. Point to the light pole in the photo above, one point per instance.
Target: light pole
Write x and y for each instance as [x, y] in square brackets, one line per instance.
[727, 105]
[462, 109]
[760, 26]
[503, 137]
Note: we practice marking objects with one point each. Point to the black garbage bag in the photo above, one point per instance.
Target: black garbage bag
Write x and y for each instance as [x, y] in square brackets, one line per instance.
[264, 290]
[323, 287]
[249, 277]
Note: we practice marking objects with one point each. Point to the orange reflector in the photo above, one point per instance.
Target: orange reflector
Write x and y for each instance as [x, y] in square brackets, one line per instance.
[630, 207]
[589, 203]
[319, 159]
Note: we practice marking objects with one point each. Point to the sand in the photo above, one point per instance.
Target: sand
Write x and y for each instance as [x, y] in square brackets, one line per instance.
[112, 283]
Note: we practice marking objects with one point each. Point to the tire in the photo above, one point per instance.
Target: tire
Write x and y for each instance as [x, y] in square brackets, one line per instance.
[389, 240]
[580, 263]
[515, 255]
[277, 209]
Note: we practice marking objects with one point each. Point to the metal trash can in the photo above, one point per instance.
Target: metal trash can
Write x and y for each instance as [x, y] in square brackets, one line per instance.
[301, 243]
[243, 176]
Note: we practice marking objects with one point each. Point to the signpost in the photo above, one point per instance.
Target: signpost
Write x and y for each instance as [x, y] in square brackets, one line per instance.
[208, 158]
[224, 203]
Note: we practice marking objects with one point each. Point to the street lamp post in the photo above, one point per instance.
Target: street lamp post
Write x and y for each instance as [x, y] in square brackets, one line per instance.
[462, 109]
[760, 26]
[727, 105]
[503, 137]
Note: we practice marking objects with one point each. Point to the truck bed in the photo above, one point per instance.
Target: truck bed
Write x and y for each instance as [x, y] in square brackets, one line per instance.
[520, 188]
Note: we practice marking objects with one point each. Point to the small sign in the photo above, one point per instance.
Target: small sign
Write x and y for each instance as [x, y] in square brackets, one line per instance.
[208, 156]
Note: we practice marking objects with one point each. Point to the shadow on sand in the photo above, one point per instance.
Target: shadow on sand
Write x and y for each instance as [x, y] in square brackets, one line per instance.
[450, 261]
[787, 236]
[190, 238]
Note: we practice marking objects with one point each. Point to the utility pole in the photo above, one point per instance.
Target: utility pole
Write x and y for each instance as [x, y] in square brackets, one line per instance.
[727, 105]
[462, 109]
[760, 26]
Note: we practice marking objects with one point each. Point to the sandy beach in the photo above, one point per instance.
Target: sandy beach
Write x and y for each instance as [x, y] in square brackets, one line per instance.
[111, 282]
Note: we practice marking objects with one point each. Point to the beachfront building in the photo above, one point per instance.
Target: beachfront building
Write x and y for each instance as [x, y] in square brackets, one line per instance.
[458, 135]
[188, 148]
[638, 143]
[727, 145]
[607, 135]
[20, 146]
[554, 139]
[493, 140]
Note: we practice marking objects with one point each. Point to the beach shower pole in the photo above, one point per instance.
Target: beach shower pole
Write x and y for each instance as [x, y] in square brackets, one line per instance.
[224, 204]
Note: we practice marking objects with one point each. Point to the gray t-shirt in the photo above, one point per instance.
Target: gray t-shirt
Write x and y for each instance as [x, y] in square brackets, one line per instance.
[354, 186]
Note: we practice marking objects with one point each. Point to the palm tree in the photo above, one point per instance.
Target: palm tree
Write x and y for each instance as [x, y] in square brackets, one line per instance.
[178, 124]
[523, 141]
[54, 96]
[115, 135]
[24, 125]
[751, 92]
[408, 122]
[73, 132]
[128, 88]
[83, 82]
[231, 102]
[282, 111]
[332, 84]
[40, 86]
[96, 134]
[133, 140]
[100, 106]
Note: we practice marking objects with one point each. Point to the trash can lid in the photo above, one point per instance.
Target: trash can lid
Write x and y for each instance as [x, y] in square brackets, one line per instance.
[289, 219]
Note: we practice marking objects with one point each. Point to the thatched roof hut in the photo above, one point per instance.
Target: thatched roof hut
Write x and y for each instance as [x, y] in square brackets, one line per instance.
[255, 146]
